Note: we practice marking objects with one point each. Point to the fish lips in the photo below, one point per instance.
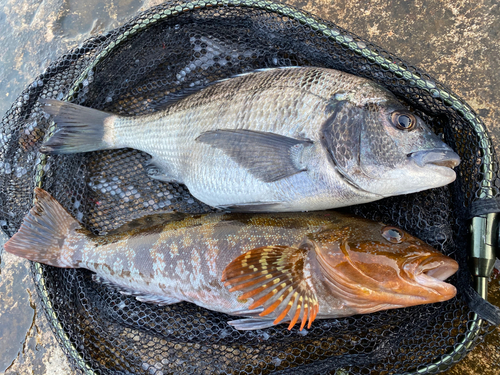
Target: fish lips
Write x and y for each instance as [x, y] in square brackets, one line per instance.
[439, 267]
[433, 272]
[438, 157]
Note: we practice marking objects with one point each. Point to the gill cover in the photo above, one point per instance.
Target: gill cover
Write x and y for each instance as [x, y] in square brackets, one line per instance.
[341, 136]
[380, 147]
[359, 145]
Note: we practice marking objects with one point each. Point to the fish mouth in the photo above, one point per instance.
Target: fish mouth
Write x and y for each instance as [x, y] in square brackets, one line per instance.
[432, 273]
[438, 268]
[437, 157]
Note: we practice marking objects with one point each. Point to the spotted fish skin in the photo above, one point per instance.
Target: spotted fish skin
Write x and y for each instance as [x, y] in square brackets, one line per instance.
[284, 139]
[270, 268]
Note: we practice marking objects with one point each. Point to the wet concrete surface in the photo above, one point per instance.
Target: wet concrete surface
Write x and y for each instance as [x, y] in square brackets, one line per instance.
[27, 344]
[456, 42]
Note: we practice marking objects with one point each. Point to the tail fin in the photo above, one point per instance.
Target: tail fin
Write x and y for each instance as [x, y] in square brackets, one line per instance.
[43, 232]
[79, 129]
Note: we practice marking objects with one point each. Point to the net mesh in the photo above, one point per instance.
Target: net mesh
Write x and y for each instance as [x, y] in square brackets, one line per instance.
[178, 45]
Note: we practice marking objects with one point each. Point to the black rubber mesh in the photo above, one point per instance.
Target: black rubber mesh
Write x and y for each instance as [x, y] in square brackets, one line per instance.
[108, 333]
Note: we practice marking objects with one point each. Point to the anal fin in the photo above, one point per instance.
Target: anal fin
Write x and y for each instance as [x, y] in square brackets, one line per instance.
[250, 313]
[140, 296]
[252, 207]
[157, 172]
[156, 299]
[251, 324]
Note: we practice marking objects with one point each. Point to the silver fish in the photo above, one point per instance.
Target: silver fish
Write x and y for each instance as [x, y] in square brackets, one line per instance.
[283, 139]
[269, 268]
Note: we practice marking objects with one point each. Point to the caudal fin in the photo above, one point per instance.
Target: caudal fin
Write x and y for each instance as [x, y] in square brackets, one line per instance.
[43, 232]
[79, 129]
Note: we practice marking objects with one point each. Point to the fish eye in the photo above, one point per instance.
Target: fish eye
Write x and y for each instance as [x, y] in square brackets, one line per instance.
[393, 234]
[403, 121]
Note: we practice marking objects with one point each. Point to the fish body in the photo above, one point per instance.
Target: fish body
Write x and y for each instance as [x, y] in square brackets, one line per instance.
[283, 139]
[268, 268]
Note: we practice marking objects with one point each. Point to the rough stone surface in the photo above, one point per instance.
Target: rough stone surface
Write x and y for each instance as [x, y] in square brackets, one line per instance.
[27, 344]
[456, 42]
[36, 32]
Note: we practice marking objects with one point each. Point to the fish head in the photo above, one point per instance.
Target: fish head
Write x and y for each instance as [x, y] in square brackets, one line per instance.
[376, 267]
[383, 148]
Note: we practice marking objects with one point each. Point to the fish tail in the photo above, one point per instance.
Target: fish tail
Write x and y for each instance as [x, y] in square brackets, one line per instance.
[44, 232]
[79, 129]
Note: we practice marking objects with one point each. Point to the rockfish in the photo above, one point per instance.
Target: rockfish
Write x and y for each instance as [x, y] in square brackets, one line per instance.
[267, 268]
[282, 139]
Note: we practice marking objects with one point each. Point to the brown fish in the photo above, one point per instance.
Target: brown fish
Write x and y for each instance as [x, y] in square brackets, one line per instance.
[270, 268]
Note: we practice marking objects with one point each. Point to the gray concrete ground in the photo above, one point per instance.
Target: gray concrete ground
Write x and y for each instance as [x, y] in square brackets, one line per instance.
[457, 42]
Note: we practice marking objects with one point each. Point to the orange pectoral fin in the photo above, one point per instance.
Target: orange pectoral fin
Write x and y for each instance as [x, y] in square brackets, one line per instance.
[274, 277]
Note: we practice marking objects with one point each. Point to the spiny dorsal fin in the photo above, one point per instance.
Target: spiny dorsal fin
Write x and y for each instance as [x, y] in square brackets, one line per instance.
[274, 277]
[173, 98]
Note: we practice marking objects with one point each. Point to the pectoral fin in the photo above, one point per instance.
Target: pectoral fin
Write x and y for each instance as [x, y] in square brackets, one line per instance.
[274, 278]
[267, 156]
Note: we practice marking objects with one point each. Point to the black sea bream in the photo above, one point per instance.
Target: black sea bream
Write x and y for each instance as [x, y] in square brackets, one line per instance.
[283, 139]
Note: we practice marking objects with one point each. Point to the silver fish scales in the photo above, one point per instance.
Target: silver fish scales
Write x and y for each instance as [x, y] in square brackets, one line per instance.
[287, 139]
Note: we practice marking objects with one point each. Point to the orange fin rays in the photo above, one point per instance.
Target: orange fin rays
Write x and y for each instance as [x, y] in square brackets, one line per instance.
[274, 277]
[305, 316]
[278, 293]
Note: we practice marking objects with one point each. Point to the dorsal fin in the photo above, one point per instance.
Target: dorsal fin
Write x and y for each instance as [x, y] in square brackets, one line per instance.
[274, 277]
[175, 97]
[148, 220]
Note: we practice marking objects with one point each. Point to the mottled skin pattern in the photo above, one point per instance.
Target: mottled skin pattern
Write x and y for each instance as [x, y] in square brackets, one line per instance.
[350, 150]
[340, 265]
[185, 259]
